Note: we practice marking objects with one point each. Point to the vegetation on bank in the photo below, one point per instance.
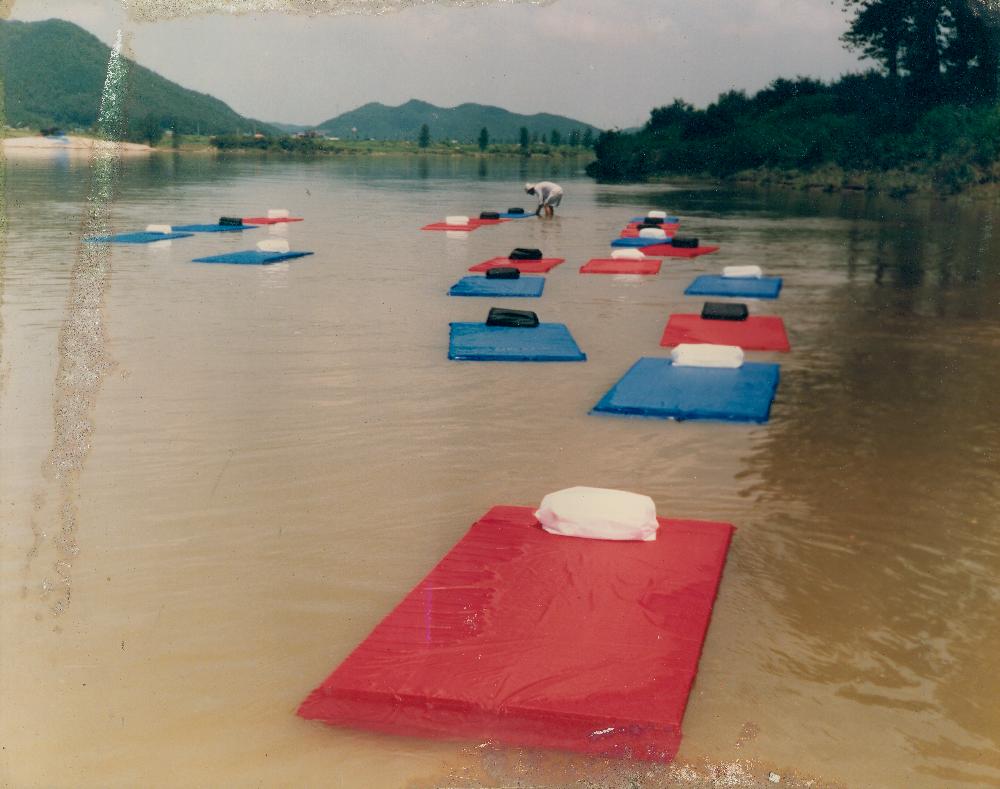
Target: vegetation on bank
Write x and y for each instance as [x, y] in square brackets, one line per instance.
[320, 145]
[928, 120]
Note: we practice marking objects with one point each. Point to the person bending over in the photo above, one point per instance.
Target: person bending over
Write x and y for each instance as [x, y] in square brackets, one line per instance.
[549, 196]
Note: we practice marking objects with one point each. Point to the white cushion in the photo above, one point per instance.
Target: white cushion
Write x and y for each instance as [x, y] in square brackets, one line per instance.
[277, 213]
[273, 245]
[159, 229]
[456, 220]
[599, 513]
[742, 271]
[656, 214]
[628, 254]
[707, 355]
[652, 232]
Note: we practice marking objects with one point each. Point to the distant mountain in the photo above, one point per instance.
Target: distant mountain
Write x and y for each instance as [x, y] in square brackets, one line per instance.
[53, 73]
[289, 128]
[462, 123]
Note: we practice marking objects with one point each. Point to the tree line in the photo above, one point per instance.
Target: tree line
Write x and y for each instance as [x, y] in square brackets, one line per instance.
[928, 108]
[576, 138]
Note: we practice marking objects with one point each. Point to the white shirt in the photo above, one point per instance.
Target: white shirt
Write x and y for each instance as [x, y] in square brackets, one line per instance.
[546, 190]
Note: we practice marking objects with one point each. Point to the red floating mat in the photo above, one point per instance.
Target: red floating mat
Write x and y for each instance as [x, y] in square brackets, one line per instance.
[524, 266]
[632, 230]
[756, 333]
[269, 220]
[621, 266]
[670, 251]
[457, 228]
[526, 638]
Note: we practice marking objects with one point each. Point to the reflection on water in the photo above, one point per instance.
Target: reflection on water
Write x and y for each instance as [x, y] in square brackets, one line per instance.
[282, 452]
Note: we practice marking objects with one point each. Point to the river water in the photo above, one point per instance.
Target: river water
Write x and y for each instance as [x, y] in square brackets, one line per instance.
[215, 480]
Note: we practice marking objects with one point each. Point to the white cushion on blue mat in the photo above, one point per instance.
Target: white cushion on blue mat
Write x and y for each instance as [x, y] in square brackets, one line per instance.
[159, 229]
[599, 514]
[742, 271]
[706, 355]
[628, 254]
[656, 214]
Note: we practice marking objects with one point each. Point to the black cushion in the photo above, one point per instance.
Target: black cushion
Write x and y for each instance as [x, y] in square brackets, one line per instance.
[685, 242]
[724, 311]
[489, 215]
[515, 210]
[645, 225]
[653, 220]
[525, 253]
[500, 316]
[502, 272]
[230, 221]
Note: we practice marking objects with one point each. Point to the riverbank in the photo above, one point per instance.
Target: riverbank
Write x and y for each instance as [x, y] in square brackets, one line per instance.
[35, 145]
[322, 145]
[942, 182]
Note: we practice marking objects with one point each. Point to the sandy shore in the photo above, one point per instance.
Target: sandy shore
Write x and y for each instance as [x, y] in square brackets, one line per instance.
[46, 145]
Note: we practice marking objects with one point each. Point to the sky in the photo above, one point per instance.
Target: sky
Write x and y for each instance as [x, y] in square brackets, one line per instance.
[607, 62]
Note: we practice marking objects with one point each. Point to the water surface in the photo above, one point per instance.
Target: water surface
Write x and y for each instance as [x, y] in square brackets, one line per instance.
[275, 455]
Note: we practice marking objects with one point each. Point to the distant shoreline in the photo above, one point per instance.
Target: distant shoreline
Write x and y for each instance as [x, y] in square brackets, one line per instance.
[20, 140]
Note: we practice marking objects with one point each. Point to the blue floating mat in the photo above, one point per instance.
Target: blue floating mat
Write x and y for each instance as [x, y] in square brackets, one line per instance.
[523, 287]
[142, 237]
[745, 287]
[670, 220]
[213, 228]
[655, 387]
[525, 215]
[547, 342]
[639, 242]
[252, 257]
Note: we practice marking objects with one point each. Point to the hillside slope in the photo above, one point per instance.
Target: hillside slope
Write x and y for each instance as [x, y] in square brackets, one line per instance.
[462, 123]
[54, 71]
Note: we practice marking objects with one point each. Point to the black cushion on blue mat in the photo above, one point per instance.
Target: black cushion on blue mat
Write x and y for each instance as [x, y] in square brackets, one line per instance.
[503, 272]
[525, 253]
[724, 311]
[500, 316]
[489, 214]
[685, 242]
[652, 221]
[515, 210]
[231, 221]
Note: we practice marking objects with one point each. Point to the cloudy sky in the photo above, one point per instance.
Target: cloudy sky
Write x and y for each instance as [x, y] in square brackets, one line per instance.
[603, 61]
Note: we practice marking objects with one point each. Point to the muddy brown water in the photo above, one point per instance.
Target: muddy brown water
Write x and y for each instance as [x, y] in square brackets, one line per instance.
[215, 480]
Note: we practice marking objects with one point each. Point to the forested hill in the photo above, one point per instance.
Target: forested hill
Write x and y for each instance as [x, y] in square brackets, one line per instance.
[53, 73]
[927, 118]
[463, 123]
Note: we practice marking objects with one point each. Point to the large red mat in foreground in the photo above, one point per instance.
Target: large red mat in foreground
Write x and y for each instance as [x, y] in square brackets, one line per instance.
[621, 266]
[524, 266]
[522, 637]
[756, 333]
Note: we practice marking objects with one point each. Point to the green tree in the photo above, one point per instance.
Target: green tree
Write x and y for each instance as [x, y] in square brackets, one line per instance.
[555, 138]
[941, 47]
[574, 138]
[147, 129]
[588, 138]
[425, 136]
[484, 138]
[525, 139]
